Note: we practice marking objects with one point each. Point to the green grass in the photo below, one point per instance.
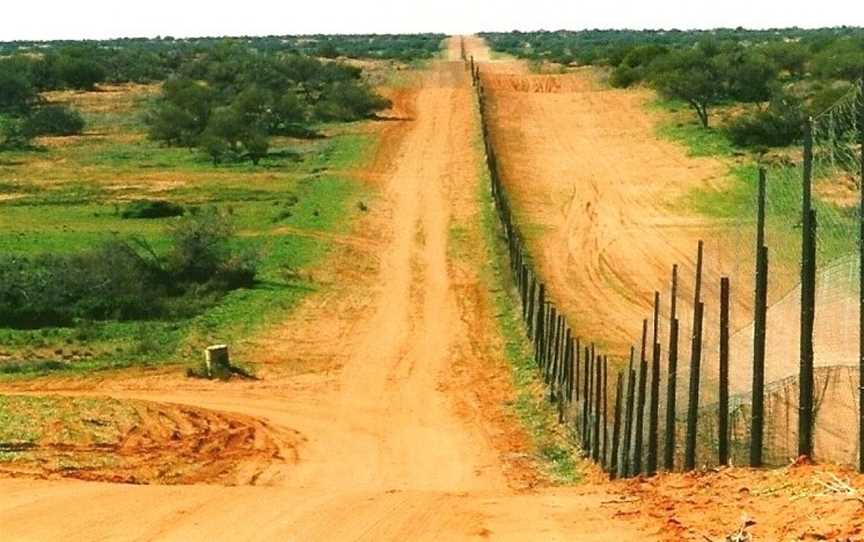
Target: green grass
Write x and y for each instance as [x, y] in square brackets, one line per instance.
[69, 198]
[735, 200]
[699, 141]
[555, 444]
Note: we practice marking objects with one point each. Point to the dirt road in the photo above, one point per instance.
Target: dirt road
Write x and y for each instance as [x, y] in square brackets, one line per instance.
[397, 428]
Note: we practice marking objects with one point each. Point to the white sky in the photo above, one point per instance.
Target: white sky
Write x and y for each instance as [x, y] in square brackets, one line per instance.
[58, 19]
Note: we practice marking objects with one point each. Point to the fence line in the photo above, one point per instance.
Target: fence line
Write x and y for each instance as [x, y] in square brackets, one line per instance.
[576, 373]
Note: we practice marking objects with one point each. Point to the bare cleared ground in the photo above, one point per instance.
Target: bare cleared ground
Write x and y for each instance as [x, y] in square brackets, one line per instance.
[396, 413]
[596, 192]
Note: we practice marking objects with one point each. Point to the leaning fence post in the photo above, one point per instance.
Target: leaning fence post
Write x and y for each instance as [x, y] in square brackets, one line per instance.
[654, 407]
[760, 308]
[672, 376]
[616, 428]
[808, 300]
[640, 403]
[723, 411]
[695, 363]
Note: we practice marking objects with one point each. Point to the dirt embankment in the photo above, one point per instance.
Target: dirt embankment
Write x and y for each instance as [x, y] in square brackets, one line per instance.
[139, 442]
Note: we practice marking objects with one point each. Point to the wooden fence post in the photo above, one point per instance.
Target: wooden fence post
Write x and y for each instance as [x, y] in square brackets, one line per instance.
[672, 377]
[723, 413]
[616, 428]
[654, 407]
[695, 363]
[640, 403]
[808, 300]
[760, 308]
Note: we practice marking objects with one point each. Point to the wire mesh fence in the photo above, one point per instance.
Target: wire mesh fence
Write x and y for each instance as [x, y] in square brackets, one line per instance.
[717, 375]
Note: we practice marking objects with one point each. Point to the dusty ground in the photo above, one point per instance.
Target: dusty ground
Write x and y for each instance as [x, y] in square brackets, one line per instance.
[596, 192]
[383, 399]
[401, 432]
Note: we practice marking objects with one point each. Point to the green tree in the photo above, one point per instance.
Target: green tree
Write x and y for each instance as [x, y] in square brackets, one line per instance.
[17, 94]
[691, 75]
[80, 73]
[181, 114]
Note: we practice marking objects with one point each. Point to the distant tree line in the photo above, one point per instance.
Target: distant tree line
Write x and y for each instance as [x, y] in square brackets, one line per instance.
[229, 101]
[781, 75]
[143, 60]
[226, 96]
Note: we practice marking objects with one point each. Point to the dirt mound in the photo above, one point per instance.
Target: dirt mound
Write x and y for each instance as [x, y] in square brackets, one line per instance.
[148, 443]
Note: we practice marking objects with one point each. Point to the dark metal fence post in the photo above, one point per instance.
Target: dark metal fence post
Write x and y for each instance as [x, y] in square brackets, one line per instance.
[808, 301]
[672, 376]
[760, 307]
[532, 296]
[626, 464]
[723, 411]
[693, 407]
[640, 403]
[616, 428]
[586, 396]
[598, 383]
[695, 364]
[654, 406]
[538, 328]
[605, 402]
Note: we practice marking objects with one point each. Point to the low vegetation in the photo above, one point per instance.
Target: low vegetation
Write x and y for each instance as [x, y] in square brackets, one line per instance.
[230, 101]
[120, 246]
[772, 78]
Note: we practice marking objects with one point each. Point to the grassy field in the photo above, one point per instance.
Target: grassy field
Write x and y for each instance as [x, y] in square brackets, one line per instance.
[68, 193]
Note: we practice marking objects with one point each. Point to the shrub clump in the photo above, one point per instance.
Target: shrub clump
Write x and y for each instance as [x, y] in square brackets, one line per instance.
[778, 125]
[152, 209]
[126, 279]
[53, 120]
